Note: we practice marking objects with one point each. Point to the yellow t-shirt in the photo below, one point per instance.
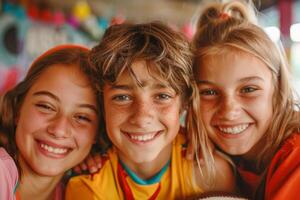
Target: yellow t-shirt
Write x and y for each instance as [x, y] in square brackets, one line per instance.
[177, 182]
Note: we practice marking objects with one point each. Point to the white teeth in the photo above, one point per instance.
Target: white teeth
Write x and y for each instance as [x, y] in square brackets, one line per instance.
[235, 129]
[54, 149]
[142, 138]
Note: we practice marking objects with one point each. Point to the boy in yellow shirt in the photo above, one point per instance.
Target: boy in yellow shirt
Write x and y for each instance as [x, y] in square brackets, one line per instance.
[145, 78]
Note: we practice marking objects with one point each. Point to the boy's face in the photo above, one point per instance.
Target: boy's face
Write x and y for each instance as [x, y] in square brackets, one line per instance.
[236, 101]
[57, 122]
[141, 121]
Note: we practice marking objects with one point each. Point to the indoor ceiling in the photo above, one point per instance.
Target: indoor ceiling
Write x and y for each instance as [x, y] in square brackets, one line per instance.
[174, 11]
[260, 4]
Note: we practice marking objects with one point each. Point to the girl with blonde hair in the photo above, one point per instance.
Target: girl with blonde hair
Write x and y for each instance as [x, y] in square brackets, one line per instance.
[247, 102]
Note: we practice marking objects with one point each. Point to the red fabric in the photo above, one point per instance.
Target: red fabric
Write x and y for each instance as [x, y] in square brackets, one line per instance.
[283, 177]
[18, 196]
[126, 188]
[124, 185]
[251, 181]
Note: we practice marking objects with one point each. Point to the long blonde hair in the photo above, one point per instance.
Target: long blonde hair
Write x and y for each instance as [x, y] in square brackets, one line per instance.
[169, 58]
[231, 27]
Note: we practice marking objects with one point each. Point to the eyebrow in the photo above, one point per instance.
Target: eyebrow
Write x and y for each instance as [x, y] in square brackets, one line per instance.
[246, 79]
[143, 84]
[52, 96]
[204, 82]
[46, 93]
[251, 78]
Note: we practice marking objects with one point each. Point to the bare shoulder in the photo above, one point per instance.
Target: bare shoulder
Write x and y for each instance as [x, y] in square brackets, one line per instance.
[224, 177]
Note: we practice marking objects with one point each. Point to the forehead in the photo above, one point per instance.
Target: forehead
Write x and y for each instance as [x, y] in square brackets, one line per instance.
[142, 74]
[232, 70]
[63, 79]
[232, 63]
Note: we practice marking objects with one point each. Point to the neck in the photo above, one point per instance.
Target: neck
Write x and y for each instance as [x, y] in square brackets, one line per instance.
[252, 156]
[146, 170]
[36, 186]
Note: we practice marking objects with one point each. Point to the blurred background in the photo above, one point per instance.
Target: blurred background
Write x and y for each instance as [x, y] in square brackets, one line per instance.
[29, 27]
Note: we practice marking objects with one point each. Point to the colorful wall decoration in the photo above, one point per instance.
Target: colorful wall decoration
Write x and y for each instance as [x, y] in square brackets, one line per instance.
[29, 29]
[26, 32]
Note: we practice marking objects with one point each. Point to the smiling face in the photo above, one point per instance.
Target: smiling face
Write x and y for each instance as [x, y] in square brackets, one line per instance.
[141, 121]
[57, 121]
[236, 101]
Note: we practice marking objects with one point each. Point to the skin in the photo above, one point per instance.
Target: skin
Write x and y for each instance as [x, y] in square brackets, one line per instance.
[236, 97]
[142, 121]
[151, 111]
[56, 127]
[127, 111]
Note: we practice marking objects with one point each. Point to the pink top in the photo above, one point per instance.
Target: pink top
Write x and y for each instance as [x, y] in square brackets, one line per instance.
[8, 176]
[58, 194]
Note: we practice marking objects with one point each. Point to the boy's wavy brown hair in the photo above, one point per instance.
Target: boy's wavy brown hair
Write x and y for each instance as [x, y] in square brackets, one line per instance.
[168, 58]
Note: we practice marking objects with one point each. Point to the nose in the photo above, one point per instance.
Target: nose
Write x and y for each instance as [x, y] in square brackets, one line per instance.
[142, 114]
[59, 127]
[229, 108]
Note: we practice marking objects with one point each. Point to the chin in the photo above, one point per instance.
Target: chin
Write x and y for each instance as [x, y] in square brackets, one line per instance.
[229, 149]
[236, 152]
[144, 158]
[48, 171]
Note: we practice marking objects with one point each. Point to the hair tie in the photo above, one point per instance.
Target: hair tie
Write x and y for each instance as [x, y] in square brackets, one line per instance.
[223, 15]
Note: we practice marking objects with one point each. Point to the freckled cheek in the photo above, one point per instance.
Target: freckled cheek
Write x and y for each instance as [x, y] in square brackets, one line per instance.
[115, 117]
[208, 105]
[260, 106]
[170, 113]
[111, 112]
[207, 110]
[113, 123]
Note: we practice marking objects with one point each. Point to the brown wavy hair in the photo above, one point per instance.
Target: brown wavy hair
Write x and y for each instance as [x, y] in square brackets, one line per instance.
[12, 100]
[168, 57]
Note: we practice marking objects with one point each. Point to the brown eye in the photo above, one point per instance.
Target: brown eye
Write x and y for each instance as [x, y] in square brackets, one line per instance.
[163, 96]
[44, 107]
[248, 89]
[121, 98]
[82, 118]
[208, 92]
